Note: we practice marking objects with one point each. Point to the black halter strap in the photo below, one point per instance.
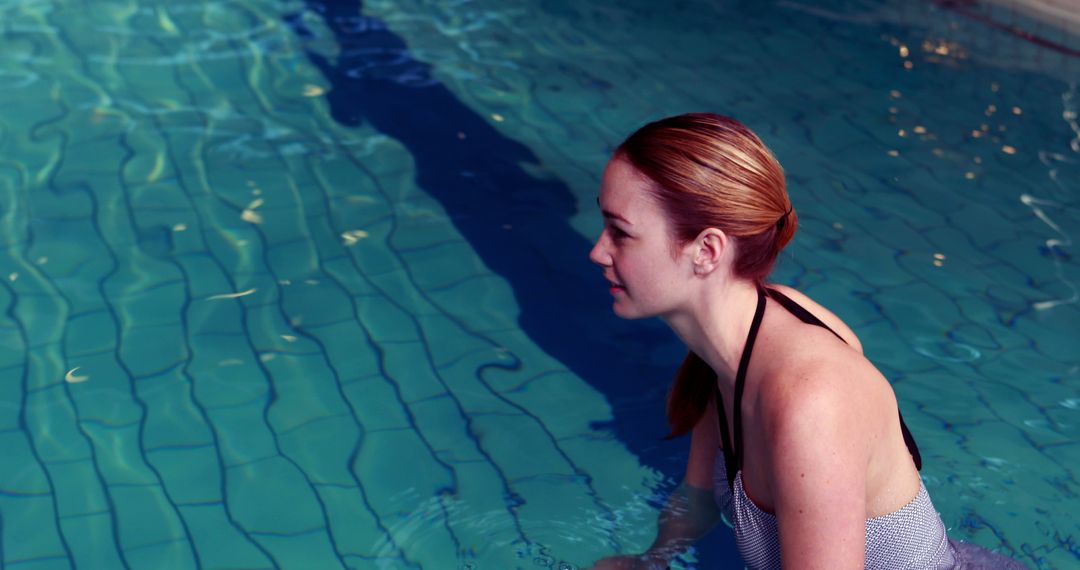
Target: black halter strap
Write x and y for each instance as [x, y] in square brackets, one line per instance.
[733, 454]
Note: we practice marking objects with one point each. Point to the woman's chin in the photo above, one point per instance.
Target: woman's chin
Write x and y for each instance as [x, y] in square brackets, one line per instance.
[624, 310]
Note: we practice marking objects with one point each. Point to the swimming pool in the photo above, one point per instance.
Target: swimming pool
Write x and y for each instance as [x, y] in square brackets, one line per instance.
[304, 284]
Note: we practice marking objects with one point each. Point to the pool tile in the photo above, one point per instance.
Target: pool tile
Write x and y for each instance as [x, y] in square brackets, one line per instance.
[90, 333]
[41, 318]
[546, 515]
[472, 385]
[347, 348]
[368, 255]
[91, 540]
[171, 554]
[36, 534]
[304, 391]
[376, 403]
[522, 451]
[242, 434]
[54, 562]
[219, 542]
[350, 519]
[343, 270]
[301, 550]
[11, 392]
[148, 305]
[103, 393]
[79, 488]
[190, 475]
[409, 368]
[546, 395]
[384, 321]
[209, 281]
[318, 303]
[233, 381]
[50, 421]
[214, 318]
[448, 338]
[323, 447]
[396, 468]
[919, 310]
[297, 510]
[482, 300]
[432, 418]
[118, 454]
[400, 288]
[444, 263]
[21, 473]
[420, 532]
[172, 417]
[1055, 331]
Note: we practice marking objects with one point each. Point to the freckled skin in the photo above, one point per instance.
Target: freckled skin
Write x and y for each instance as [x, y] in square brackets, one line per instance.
[635, 247]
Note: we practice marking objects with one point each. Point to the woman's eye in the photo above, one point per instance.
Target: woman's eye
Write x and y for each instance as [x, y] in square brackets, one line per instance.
[617, 233]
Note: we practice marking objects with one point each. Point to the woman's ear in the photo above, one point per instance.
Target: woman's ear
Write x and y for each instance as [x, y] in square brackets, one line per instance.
[708, 251]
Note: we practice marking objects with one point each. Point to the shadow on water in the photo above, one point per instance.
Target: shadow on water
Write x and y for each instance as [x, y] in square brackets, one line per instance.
[564, 304]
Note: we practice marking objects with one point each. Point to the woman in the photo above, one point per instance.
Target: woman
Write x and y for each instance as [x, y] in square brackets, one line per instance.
[796, 437]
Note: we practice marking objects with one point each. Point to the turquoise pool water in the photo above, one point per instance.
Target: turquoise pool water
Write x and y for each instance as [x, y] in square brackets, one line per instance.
[304, 284]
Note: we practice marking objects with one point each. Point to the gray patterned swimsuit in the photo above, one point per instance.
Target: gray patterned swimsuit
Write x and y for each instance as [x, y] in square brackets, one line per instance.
[910, 537]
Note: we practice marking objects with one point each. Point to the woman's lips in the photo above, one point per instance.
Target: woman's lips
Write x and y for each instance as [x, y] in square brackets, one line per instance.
[613, 285]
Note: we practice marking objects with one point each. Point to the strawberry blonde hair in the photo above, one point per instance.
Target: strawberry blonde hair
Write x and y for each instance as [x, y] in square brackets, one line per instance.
[710, 171]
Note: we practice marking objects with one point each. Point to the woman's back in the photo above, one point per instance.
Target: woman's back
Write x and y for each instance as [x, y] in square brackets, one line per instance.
[905, 535]
[796, 365]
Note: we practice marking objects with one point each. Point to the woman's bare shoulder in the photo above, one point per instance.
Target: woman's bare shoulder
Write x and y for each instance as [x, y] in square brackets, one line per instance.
[827, 392]
[828, 317]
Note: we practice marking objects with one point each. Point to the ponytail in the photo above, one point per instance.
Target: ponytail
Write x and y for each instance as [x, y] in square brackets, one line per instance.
[691, 391]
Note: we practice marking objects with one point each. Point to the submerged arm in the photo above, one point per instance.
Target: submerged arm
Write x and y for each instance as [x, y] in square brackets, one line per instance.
[691, 510]
[690, 514]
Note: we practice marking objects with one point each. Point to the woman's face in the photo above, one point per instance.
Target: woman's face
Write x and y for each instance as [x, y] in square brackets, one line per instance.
[635, 248]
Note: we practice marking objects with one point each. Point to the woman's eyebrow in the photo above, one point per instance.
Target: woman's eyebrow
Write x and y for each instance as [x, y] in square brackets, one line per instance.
[612, 215]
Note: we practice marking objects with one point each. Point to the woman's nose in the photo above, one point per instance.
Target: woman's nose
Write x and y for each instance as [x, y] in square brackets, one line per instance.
[599, 254]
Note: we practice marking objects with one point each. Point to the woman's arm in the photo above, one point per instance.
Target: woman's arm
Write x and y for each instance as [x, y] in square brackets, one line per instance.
[691, 510]
[818, 457]
[690, 514]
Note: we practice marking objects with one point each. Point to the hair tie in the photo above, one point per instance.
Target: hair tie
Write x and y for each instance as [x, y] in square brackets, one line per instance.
[783, 219]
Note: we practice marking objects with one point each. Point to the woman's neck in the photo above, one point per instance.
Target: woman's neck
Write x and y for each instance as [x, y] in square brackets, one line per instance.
[716, 323]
